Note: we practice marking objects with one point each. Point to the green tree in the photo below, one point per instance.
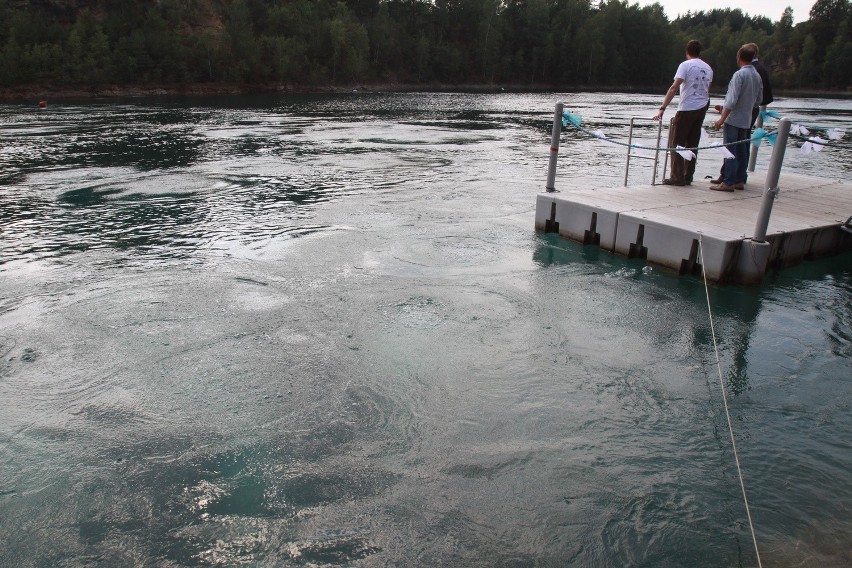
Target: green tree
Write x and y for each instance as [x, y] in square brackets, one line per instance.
[241, 49]
[349, 45]
[10, 60]
[837, 69]
[808, 64]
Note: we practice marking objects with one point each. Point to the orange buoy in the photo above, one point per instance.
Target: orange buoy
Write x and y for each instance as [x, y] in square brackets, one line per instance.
[42, 104]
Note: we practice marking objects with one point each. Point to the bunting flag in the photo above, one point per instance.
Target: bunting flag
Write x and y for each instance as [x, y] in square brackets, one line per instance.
[757, 137]
[599, 134]
[574, 119]
[642, 148]
[799, 130]
[814, 144]
[723, 150]
[684, 153]
[835, 133]
[770, 114]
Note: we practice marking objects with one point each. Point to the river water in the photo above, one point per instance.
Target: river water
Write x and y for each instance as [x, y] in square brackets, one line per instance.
[321, 331]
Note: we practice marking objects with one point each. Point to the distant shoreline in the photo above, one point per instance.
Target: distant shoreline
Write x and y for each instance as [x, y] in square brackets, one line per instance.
[38, 93]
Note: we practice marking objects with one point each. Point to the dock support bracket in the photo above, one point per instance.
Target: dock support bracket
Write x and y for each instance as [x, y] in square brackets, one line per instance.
[691, 265]
[551, 225]
[637, 250]
[591, 236]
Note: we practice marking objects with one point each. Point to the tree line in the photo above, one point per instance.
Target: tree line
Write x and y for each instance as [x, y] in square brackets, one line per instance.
[304, 43]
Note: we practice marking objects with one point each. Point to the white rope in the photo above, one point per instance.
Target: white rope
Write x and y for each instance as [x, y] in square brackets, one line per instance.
[725, 400]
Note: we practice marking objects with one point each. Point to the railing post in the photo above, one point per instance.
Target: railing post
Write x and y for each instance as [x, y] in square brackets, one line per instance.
[629, 146]
[772, 176]
[657, 152]
[752, 157]
[554, 148]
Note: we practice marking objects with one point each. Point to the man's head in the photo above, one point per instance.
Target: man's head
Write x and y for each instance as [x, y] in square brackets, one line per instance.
[754, 48]
[745, 54]
[693, 48]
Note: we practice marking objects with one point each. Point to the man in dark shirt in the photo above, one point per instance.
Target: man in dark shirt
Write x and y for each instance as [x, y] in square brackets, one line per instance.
[764, 76]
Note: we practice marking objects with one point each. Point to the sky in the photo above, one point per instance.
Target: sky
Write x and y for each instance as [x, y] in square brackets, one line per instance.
[772, 9]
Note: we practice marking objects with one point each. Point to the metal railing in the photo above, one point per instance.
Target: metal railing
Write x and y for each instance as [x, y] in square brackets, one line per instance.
[656, 156]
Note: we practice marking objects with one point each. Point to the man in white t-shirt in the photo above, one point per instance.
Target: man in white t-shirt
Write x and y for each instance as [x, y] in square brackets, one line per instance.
[692, 80]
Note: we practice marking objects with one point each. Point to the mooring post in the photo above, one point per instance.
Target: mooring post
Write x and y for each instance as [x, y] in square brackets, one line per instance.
[772, 176]
[752, 158]
[554, 148]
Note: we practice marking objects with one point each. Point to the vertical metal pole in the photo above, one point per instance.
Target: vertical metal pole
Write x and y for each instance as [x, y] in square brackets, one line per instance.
[657, 152]
[772, 177]
[629, 142]
[667, 156]
[752, 158]
[554, 148]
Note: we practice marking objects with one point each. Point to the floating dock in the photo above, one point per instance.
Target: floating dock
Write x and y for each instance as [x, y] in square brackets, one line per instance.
[666, 225]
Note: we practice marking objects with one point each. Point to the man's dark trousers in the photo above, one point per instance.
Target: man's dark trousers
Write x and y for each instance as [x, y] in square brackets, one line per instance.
[687, 133]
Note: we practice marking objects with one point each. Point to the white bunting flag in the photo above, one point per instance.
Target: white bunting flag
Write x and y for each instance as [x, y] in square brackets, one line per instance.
[599, 134]
[723, 150]
[643, 148]
[814, 144]
[684, 153]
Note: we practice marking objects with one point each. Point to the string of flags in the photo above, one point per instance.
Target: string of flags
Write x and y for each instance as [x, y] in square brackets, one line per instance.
[815, 143]
[811, 144]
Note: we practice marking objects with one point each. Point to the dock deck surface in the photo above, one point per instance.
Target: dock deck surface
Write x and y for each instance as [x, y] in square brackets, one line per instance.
[806, 221]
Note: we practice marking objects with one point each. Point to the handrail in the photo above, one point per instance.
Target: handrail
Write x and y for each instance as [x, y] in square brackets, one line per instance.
[630, 154]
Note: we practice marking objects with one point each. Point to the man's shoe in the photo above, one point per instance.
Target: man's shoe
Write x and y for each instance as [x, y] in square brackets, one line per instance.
[669, 181]
[717, 181]
[722, 187]
[740, 185]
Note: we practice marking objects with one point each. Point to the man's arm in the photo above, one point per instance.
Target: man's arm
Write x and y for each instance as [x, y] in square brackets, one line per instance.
[725, 112]
[731, 98]
[673, 90]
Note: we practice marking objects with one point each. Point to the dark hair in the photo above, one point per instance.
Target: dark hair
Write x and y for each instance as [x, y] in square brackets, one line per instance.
[693, 48]
[746, 53]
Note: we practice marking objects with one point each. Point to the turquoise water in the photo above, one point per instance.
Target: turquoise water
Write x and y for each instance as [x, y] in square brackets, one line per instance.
[321, 331]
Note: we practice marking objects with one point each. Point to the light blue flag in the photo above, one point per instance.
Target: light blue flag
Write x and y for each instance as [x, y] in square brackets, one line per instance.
[574, 119]
[757, 137]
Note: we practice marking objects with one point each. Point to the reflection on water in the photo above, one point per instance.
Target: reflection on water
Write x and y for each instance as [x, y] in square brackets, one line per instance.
[321, 331]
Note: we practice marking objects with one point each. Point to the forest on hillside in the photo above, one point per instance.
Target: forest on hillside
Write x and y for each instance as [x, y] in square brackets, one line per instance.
[305, 43]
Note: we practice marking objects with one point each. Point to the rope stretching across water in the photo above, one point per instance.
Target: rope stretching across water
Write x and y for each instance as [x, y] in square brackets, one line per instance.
[725, 400]
[821, 143]
[755, 138]
[680, 149]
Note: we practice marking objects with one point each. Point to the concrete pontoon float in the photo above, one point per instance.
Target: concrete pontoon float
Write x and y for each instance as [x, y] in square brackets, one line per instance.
[667, 225]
